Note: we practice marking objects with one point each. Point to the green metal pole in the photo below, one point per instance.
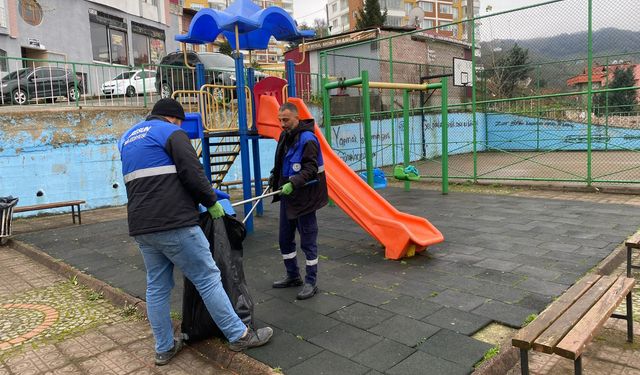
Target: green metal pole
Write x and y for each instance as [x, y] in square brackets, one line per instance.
[392, 96]
[473, 104]
[606, 108]
[590, 90]
[366, 114]
[326, 104]
[405, 128]
[538, 116]
[345, 83]
[445, 136]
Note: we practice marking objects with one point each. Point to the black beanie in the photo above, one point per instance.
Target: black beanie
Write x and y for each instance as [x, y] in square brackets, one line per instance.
[168, 107]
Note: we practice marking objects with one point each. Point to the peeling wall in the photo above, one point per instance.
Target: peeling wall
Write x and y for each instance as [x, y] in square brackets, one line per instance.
[56, 154]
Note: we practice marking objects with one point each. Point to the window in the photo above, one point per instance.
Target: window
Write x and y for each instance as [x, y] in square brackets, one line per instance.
[445, 8]
[31, 12]
[344, 20]
[343, 4]
[148, 44]
[391, 4]
[3, 14]
[334, 8]
[427, 7]
[455, 13]
[108, 38]
[427, 24]
[4, 64]
[118, 47]
[394, 21]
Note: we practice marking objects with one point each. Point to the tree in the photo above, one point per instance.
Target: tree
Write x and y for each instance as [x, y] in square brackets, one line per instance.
[507, 69]
[370, 15]
[225, 48]
[617, 102]
[321, 27]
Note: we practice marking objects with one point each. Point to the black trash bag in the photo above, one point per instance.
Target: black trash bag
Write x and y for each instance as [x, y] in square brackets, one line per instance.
[8, 202]
[225, 237]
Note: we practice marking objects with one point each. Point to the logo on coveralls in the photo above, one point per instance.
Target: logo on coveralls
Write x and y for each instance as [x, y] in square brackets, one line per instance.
[296, 167]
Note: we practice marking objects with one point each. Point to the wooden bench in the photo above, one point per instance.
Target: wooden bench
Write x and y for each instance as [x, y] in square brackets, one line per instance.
[75, 208]
[570, 323]
[632, 243]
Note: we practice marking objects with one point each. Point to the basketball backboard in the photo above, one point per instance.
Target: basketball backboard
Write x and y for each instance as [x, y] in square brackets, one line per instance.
[462, 72]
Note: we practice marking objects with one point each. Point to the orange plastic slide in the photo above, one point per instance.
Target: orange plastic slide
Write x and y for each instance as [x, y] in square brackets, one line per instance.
[401, 234]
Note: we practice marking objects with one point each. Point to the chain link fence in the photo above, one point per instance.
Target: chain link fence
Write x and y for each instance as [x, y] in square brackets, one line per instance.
[543, 93]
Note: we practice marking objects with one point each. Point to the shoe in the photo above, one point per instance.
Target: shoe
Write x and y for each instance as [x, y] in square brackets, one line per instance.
[307, 291]
[164, 358]
[252, 339]
[287, 282]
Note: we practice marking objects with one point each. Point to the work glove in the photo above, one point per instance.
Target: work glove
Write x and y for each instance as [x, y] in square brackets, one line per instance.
[287, 189]
[216, 211]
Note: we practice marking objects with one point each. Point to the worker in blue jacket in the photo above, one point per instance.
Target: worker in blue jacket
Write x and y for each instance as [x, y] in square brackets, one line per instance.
[165, 182]
[299, 173]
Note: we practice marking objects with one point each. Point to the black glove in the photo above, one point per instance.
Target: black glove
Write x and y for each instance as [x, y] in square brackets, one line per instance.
[272, 182]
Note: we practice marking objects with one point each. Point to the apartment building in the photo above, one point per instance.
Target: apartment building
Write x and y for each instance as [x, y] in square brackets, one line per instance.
[122, 32]
[405, 13]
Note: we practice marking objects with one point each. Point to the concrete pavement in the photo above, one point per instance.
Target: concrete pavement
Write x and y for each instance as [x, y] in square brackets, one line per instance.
[504, 258]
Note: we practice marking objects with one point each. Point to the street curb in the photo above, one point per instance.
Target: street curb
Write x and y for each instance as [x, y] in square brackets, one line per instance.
[214, 349]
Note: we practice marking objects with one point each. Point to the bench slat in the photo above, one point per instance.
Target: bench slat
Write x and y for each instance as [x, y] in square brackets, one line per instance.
[525, 336]
[552, 335]
[573, 344]
[633, 241]
[45, 206]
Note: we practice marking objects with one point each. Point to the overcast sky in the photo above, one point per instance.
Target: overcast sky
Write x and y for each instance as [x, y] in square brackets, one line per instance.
[564, 17]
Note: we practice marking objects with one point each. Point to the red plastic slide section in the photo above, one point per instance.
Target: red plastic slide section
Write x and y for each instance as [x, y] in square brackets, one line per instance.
[401, 234]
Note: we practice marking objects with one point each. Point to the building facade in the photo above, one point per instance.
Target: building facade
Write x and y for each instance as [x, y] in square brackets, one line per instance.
[419, 14]
[115, 32]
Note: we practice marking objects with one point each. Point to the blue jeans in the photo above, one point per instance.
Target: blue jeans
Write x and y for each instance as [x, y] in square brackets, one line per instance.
[188, 249]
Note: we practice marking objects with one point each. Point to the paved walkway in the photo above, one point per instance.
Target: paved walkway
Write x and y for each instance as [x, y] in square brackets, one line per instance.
[53, 325]
[505, 257]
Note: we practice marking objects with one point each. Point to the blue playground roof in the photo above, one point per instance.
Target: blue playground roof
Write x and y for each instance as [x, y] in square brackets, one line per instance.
[255, 26]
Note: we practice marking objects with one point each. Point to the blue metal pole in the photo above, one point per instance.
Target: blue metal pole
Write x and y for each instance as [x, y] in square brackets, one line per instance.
[255, 143]
[206, 153]
[244, 138]
[291, 78]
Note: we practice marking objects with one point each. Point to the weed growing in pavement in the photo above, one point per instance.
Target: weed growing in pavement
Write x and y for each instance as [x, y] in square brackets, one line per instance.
[529, 319]
[488, 355]
[94, 296]
[175, 315]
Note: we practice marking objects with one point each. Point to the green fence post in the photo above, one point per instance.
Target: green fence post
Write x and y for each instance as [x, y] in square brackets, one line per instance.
[590, 90]
[326, 104]
[366, 109]
[445, 136]
[405, 128]
[392, 104]
[539, 109]
[473, 107]
[75, 85]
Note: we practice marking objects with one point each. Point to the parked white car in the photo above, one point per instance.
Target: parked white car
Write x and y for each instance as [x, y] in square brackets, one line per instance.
[131, 83]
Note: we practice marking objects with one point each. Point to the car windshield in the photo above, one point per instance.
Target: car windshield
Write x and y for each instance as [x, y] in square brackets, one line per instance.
[217, 61]
[13, 75]
[125, 75]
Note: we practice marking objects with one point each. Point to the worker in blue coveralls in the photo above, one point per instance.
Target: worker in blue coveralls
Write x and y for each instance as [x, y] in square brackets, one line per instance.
[165, 183]
[299, 172]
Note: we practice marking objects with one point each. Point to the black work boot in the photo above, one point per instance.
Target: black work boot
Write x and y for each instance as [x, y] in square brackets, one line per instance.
[288, 282]
[307, 291]
[252, 339]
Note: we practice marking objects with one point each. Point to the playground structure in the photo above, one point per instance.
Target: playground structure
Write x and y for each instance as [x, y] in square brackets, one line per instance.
[247, 27]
